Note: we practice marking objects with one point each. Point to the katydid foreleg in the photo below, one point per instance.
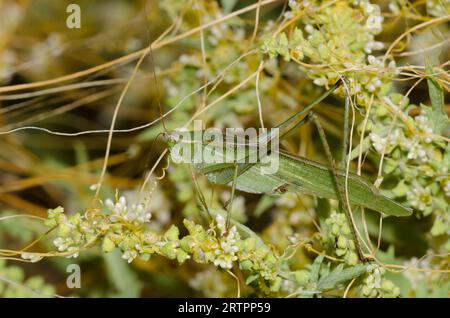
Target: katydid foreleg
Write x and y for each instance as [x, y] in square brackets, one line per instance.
[233, 188]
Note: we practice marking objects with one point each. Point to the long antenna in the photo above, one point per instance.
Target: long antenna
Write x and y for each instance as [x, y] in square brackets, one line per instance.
[155, 78]
[150, 49]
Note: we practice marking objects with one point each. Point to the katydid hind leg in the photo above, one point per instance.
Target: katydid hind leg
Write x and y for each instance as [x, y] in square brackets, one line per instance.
[340, 193]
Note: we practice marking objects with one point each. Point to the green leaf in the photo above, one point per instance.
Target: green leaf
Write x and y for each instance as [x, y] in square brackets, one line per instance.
[315, 268]
[436, 113]
[121, 275]
[340, 275]
[228, 5]
[107, 245]
[172, 233]
[438, 228]
[251, 278]
[446, 159]
[365, 145]
[263, 205]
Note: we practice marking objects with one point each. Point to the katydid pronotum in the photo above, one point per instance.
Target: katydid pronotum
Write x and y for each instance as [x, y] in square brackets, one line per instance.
[296, 174]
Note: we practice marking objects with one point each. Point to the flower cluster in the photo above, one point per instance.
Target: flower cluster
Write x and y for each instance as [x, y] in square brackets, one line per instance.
[226, 253]
[74, 233]
[328, 44]
[339, 235]
[413, 155]
[376, 286]
[341, 35]
[124, 226]
[136, 214]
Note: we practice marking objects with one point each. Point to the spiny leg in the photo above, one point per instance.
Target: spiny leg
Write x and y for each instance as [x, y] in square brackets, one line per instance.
[200, 195]
[230, 202]
[340, 192]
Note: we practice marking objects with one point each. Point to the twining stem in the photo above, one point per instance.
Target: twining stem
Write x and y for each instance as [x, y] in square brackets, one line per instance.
[346, 132]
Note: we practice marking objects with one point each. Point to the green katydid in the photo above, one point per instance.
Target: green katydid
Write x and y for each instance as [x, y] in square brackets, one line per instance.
[294, 174]
[298, 175]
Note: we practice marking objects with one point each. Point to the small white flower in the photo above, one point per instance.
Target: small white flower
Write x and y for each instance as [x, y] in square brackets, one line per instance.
[292, 4]
[377, 141]
[32, 257]
[415, 150]
[309, 28]
[220, 222]
[419, 197]
[369, 8]
[129, 256]
[374, 61]
[377, 82]
[239, 34]
[288, 200]
[374, 23]
[426, 131]
[393, 7]
[371, 88]
[288, 15]
[321, 81]
[109, 204]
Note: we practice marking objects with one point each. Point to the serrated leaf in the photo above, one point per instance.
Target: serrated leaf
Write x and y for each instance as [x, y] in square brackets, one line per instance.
[340, 275]
[315, 268]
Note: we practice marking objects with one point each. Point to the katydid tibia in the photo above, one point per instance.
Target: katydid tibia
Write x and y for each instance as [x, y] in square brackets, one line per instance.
[295, 174]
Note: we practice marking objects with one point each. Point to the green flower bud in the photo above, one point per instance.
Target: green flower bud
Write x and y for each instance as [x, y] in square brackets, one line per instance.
[145, 257]
[335, 230]
[342, 242]
[340, 252]
[352, 258]
[387, 286]
[249, 244]
[276, 284]
[187, 243]
[182, 256]
[301, 277]
[35, 282]
[14, 273]
[246, 265]
[64, 230]
[172, 233]
[169, 250]
[107, 245]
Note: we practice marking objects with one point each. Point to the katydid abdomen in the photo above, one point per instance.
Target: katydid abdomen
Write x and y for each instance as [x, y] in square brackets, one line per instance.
[300, 175]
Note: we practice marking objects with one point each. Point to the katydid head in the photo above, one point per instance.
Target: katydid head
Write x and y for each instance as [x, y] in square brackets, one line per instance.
[171, 139]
